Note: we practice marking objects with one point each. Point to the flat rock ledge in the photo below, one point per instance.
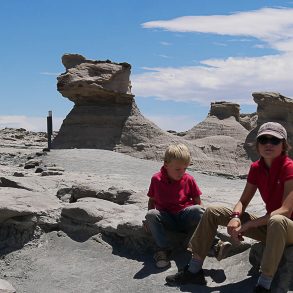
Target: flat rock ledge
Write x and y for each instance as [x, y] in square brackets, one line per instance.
[107, 205]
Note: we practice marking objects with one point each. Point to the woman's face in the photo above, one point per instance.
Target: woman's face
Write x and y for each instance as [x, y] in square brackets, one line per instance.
[269, 147]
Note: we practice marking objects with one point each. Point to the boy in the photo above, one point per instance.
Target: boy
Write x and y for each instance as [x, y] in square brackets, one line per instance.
[174, 201]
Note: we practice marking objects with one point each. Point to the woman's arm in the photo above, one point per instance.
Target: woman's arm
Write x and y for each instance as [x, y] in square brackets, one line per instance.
[247, 195]
[286, 209]
[239, 209]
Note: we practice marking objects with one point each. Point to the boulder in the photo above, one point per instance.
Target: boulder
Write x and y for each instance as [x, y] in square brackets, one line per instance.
[282, 281]
[274, 107]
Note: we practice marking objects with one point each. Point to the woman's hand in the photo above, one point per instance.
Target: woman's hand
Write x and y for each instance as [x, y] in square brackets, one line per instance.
[233, 229]
[238, 233]
[245, 227]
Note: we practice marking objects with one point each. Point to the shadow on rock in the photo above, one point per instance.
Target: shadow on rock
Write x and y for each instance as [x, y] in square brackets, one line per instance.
[148, 269]
[180, 257]
[243, 286]
[218, 276]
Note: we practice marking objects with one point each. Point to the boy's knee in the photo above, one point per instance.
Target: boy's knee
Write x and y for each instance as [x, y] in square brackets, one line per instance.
[197, 209]
[211, 210]
[152, 214]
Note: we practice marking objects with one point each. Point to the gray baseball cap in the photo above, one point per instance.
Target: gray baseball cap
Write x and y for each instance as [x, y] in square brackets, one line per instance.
[274, 129]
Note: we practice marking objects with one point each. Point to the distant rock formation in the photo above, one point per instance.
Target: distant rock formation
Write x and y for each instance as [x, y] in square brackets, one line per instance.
[224, 110]
[221, 137]
[105, 116]
[275, 107]
[248, 121]
[223, 119]
[103, 101]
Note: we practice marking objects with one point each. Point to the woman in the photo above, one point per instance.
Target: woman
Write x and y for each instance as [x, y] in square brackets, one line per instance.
[272, 175]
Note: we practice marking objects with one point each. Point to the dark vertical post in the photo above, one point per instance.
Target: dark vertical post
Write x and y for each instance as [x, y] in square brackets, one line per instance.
[49, 128]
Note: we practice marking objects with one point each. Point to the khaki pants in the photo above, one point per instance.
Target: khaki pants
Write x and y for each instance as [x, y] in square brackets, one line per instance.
[277, 234]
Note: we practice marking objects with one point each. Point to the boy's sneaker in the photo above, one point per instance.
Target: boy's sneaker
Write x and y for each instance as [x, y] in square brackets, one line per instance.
[221, 249]
[260, 289]
[162, 258]
[184, 276]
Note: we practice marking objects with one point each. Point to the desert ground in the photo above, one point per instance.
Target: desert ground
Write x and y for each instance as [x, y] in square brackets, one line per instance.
[109, 251]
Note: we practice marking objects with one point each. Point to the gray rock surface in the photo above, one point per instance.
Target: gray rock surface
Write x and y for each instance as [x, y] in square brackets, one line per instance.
[81, 231]
[283, 277]
[6, 287]
[213, 126]
[248, 121]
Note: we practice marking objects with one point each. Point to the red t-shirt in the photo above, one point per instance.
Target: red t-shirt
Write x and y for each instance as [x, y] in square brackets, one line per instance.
[173, 195]
[270, 181]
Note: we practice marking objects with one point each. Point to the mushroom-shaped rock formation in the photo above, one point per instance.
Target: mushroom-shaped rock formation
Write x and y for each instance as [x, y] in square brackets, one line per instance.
[274, 107]
[104, 106]
[105, 116]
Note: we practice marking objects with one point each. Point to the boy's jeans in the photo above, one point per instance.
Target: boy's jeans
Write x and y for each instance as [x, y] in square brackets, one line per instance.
[277, 234]
[185, 221]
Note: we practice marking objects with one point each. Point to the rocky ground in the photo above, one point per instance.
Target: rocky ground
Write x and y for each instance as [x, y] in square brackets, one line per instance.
[71, 222]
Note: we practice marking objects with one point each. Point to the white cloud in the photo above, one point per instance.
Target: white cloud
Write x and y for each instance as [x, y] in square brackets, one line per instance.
[165, 43]
[165, 56]
[272, 25]
[233, 78]
[50, 73]
[29, 123]
[220, 44]
[172, 122]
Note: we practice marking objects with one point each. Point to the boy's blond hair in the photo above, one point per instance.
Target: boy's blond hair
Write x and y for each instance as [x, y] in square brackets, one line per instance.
[178, 152]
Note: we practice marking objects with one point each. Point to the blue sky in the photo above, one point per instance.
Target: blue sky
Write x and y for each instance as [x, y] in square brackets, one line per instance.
[184, 54]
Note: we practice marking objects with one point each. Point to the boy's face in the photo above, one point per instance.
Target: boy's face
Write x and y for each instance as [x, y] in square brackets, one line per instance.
[176, 169]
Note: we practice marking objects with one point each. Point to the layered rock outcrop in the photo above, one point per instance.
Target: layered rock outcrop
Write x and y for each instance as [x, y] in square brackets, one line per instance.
[221, 137]
[103, 101]
[274, 107]
[223, 119]
[105, 116]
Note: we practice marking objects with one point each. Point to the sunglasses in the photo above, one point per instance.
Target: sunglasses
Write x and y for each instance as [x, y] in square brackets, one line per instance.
[271, 140]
